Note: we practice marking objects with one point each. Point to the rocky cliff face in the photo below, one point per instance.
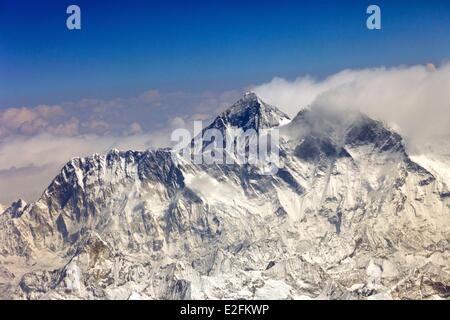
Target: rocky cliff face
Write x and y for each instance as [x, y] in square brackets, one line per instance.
[348, 215]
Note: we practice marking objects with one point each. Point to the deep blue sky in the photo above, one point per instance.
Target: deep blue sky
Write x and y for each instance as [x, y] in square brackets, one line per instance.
[126, 47]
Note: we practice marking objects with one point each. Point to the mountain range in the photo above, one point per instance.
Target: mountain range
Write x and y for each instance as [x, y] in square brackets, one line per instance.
[349, 214]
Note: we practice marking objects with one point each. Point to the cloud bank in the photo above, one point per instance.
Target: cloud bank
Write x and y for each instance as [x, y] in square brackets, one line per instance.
[413, 100]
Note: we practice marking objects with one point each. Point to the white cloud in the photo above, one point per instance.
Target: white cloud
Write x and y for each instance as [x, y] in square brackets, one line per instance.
[28, 120]
[415, 100]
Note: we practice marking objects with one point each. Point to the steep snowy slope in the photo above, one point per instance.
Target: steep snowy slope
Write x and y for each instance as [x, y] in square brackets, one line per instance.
[347, 215]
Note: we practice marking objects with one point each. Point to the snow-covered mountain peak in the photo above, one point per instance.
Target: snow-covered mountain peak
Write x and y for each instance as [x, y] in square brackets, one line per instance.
[250, 112]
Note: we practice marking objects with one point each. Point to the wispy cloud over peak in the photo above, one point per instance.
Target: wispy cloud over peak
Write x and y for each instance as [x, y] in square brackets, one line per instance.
[414, 99]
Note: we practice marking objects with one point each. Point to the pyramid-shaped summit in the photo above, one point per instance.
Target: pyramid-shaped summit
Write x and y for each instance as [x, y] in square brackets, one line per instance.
[250, 112]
